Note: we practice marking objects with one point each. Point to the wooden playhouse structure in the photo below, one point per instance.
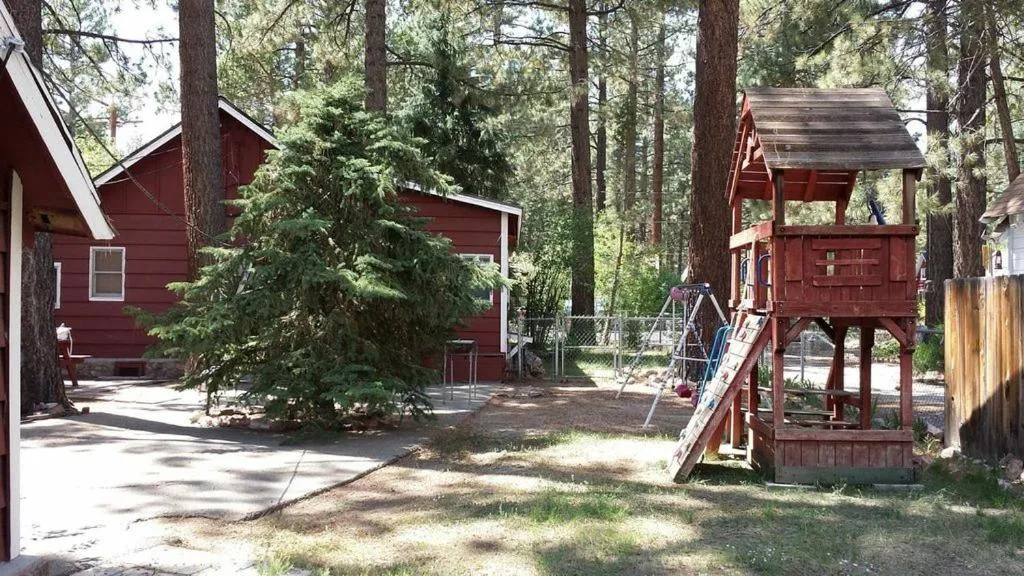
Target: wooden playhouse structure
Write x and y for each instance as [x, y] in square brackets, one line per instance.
[808, 145]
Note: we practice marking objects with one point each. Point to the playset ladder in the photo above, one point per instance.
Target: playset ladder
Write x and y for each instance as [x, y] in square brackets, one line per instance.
[745, 347]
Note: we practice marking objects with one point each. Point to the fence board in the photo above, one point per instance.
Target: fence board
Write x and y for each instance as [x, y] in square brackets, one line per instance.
[984, 365]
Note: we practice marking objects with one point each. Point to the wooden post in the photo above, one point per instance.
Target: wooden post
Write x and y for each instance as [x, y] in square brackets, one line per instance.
[841, 204]
[909, 206]
[779, 198]
[779, 326]
[907, 377]
[734, 255]
[867, 341]
[836, 378]
[736, 422]
[753, 398]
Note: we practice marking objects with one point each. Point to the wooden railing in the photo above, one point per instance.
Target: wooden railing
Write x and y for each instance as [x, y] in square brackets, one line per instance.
[833, 271]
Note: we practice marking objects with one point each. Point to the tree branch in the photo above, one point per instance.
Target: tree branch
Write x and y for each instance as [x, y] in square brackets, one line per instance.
[105, 37]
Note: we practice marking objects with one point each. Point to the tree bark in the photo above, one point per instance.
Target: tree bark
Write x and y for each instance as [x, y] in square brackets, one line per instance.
[601, 161]
[629, 129]
[582, 200]
[714, 124]
[971, 185]
[41, 380]
[375, 56]
[940, 221]
[200, 130]
[999, 94]
[658, 168]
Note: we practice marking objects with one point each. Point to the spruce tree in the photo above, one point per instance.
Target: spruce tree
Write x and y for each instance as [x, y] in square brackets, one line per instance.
[335, 295]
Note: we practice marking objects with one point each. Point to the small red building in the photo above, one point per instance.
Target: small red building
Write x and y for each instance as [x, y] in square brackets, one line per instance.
[144, 199]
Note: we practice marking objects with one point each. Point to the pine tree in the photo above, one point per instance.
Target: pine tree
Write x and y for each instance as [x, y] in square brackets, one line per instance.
[337, 294]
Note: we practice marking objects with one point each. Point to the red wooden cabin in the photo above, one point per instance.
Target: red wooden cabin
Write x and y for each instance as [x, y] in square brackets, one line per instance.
[808, 145]
[97, 280]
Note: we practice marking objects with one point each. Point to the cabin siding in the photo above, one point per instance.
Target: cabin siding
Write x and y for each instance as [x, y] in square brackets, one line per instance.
[153, 239]
[154, 243]
[472, 230]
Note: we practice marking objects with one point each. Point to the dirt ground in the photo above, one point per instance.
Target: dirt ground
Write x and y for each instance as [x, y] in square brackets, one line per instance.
[564, 481]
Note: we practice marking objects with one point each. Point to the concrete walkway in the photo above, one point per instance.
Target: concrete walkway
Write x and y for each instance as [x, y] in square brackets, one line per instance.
[88, 480]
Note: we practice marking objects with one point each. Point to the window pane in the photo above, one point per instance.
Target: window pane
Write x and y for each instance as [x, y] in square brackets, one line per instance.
[106, 284]
[107, 260]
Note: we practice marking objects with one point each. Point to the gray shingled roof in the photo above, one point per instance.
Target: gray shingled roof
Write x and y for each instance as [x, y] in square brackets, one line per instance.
[1011, 201]
[833, 128]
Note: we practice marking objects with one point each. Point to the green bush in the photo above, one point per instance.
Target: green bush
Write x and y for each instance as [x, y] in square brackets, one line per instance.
[887, 350]
[336, 294]
[930, 355]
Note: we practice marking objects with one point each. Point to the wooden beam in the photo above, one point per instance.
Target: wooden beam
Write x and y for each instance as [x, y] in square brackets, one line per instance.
[812, 180]
[826, 328]
[844, 435]
[795, 330]
[778, 328]
[867, 341]
[738, 165]
[909, 196]
[898, 333]
[779, 198]
[907, 378]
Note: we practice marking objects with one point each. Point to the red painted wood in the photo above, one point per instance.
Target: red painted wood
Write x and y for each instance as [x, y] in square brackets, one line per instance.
[154, 243]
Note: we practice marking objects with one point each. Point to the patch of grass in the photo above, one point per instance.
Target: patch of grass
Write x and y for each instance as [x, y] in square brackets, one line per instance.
[971, 485]
[554, 506]
[465, 440]
[593, 551]
[1007, 529]
[561, 507]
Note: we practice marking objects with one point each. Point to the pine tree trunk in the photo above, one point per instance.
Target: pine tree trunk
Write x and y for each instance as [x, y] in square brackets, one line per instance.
[971, 185]
[41, 380]
[658, 175]
[375, 56]
[200, 130]
[714, 124]
[940, 222]
[601, 144]
[999, 94]
[643, 189]
[582, 200]
[629, 130]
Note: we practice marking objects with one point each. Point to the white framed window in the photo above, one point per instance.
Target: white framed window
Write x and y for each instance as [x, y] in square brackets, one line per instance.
[56, 270]
[483, 293]
[106, 273]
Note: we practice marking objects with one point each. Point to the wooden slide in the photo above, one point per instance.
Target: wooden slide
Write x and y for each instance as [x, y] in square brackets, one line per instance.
[745, 347]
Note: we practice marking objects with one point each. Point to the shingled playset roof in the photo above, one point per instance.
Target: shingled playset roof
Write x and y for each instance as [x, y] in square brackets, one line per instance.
[820, 137]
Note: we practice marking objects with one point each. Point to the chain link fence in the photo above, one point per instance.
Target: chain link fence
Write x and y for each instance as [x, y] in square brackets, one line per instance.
[601, 348]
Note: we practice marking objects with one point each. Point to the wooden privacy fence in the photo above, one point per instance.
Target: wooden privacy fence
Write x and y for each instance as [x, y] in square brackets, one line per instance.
[984, 364]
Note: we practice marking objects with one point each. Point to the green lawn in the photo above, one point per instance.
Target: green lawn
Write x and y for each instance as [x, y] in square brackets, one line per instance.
[564, 484]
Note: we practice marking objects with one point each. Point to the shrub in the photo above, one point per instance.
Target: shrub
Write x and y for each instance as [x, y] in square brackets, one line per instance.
[336, 295]
[930, 355]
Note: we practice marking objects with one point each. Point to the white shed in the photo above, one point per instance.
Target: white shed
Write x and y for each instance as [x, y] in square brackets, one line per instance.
[1005, 219]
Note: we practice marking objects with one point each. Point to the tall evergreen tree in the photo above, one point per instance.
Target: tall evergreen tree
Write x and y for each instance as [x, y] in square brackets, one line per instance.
[582, 199]
[940, 221]
[375, 59]
[201, 159]
[971, 178]
[714, 115]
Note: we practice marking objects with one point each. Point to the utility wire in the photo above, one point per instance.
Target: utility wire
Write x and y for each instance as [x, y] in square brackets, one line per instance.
[117, 161]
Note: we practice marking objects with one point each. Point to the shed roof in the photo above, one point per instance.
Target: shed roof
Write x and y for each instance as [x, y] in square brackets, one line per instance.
[1011, 201]
[836, 129]
[173, 132]
[75, 208]
[821, 138]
